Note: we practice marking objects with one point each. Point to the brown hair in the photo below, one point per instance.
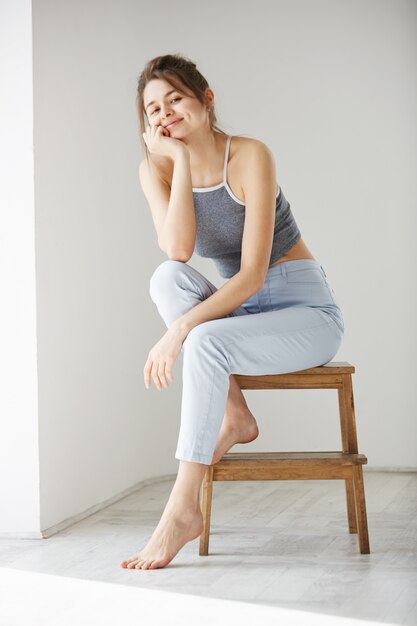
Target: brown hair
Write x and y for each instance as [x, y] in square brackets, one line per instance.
[180, 72]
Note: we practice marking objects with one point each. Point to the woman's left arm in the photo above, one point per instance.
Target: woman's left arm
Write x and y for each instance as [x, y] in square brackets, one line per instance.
[260, 186]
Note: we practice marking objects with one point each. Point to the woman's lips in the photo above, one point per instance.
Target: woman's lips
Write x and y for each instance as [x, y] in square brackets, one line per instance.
[173, 124]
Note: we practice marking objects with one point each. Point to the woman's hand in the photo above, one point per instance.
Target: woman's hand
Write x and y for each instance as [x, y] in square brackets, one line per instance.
[162, 356]
[159, 141]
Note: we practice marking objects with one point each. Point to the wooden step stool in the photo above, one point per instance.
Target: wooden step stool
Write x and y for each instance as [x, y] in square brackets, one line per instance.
[345, 464]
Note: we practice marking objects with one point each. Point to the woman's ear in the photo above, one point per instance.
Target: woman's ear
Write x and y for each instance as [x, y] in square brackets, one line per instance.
[209, 94]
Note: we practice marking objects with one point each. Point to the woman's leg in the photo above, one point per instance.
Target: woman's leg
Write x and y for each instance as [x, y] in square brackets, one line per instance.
[175, 288]
[181, 521]
[295, 330]
[274, 342]
[300, 332]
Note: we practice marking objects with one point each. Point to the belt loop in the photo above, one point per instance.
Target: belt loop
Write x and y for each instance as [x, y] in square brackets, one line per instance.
[283, 270]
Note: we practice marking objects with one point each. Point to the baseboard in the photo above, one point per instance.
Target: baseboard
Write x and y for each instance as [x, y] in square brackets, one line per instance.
[367, 468]
[70, 521]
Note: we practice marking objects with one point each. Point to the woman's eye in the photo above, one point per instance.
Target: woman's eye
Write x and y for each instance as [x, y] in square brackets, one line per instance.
[173, 100]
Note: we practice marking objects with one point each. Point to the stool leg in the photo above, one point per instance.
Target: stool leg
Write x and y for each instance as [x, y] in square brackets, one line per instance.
[349, 442]
[206, 510]
[350, 503]
[361, 510]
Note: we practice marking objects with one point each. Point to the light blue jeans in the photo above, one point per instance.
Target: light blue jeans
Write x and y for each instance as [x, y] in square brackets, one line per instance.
[292, 323]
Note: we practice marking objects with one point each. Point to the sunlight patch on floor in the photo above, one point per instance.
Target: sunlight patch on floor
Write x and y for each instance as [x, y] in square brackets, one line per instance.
[49, 600]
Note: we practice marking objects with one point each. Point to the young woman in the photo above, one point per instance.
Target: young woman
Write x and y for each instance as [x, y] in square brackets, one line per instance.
[218, 196]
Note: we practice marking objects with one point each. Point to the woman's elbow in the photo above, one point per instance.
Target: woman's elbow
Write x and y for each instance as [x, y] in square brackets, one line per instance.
[179, 255]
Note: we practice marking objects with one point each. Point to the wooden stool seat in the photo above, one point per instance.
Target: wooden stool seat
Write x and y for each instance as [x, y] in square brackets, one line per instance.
[345, 464]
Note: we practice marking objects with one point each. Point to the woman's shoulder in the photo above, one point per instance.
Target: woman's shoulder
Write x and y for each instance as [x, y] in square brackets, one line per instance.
[247, 153]
[246, 147]
[246, 141]
[157, 166]
[156, 162]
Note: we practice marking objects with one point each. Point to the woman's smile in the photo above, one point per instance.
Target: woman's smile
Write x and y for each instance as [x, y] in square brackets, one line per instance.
[173, 124]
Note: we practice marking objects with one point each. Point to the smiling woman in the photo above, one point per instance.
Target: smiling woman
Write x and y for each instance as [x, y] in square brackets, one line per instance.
[276, 313]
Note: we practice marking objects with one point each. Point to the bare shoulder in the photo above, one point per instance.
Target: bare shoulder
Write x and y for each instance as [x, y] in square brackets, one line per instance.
[252, 155]
[248, 148]
[158, 166]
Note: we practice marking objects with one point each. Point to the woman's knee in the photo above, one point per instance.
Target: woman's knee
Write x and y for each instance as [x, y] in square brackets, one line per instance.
[165, 275]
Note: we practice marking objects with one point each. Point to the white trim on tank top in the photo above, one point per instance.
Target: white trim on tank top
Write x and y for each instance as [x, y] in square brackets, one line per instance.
[224, 182]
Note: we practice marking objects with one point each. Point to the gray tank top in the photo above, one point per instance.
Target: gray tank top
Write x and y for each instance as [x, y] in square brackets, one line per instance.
[220, 219]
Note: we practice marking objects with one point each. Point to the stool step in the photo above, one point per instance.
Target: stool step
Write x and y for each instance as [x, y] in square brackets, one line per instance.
[287, 465]
[337, 455]
[305, 465]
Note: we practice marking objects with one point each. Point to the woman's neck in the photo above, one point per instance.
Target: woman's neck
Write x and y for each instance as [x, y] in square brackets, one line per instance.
[207, 155]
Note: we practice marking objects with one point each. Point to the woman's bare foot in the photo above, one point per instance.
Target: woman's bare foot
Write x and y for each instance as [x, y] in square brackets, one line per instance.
[241, 428]
[174, 530]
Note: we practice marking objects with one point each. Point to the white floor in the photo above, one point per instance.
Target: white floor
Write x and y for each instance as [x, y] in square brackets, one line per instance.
[280, 553]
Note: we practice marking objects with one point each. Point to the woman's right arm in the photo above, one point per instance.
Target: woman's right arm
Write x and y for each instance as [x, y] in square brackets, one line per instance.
[172, 208]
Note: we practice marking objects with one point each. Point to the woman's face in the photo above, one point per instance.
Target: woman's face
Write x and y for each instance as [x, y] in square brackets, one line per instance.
[164, 103]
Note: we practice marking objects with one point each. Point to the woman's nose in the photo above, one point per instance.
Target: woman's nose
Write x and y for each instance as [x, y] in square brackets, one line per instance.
[166, 110]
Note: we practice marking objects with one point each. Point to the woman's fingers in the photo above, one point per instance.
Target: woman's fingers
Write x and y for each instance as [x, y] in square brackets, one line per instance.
[157, 372]
[152, 134]
[155, 377]
[168, 368]
[160, 362]
[149, 371]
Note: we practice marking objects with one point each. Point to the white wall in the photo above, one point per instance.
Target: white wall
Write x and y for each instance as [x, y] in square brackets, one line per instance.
[331, 88]
[101, 430]
[19, 449]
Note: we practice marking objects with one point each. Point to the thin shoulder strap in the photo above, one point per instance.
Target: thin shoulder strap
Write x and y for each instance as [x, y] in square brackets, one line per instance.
[226, 158]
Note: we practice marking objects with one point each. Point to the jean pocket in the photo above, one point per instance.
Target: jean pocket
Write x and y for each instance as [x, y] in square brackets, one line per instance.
[306, 275]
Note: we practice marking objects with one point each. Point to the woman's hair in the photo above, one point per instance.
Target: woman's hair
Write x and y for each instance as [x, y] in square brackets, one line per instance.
[180, 72]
